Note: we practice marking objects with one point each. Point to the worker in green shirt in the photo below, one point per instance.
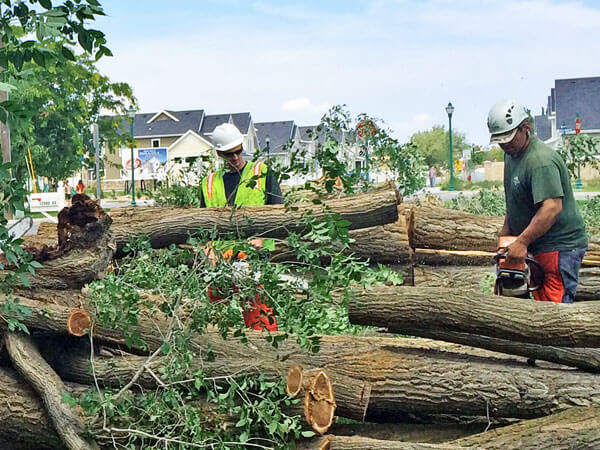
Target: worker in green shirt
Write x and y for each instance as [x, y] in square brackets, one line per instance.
[540, 207]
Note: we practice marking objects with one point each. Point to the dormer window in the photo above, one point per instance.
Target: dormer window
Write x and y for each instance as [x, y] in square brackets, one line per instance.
[155, 143]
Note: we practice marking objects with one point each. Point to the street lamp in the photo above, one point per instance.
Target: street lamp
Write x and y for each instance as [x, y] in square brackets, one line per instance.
[450, 110]
[578, 183]
[131, 115]
[268, 142]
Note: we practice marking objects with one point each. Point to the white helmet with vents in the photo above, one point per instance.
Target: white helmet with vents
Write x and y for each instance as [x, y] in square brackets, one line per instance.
[503, 120]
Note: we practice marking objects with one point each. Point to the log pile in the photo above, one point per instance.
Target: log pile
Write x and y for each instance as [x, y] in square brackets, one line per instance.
[466, 380]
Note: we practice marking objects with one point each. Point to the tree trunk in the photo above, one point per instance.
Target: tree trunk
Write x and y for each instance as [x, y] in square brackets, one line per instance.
[448, 229]
[576, 428]
[380, 244]
[582, 358]
[410, 379]
[429, 257]
[469, 277]
[23, 419]
[165, 226]
[84, 248]
[32, 366]
[399, 308]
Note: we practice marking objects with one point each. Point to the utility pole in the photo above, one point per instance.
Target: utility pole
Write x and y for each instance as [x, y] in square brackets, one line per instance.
[96, 139]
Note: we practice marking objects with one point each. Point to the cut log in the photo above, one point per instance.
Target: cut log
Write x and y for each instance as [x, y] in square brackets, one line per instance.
[165, 226]
[469, 277]
[32, 366]
[410, 380]
[400, 308]
[448, 229]
[84, 250]
[582, 358]
[430, 257]
[380, 244]
[319, 401]
[576, 428]
[23, 420]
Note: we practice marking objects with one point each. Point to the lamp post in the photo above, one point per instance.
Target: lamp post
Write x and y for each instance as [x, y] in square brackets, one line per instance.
[131, 115]
[268, 142]
[578, 183]
[449, 111]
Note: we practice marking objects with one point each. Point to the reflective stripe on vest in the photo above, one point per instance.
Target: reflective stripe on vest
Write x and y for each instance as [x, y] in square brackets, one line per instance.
[256, 172]
[211, 179]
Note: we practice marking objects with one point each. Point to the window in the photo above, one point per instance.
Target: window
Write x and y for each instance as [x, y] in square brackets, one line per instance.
[155, 143]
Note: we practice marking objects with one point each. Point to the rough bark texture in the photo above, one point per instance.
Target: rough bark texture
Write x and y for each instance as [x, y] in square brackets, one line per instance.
[32, 366]
[399, 308]
[83, 251]
[409, 380]
[166, 226]
[448, 229]
[576, 428]
[469, 277]
[581, 358]
[380, 244]
[430, 257]
[23, 420]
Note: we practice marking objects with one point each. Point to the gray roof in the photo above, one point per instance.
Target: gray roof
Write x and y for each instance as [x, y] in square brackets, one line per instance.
[188, 120]
[279, 133]
[542, 127]
[309, 133]
[578, 96]
[240, 120]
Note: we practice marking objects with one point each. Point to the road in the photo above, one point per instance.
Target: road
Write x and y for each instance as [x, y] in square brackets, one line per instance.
[449, 195]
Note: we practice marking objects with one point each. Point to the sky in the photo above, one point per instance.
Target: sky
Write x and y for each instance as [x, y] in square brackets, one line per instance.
[397, 60]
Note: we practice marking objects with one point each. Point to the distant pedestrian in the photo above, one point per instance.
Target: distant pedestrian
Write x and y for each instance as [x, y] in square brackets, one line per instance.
[80, 188]
[432, 175]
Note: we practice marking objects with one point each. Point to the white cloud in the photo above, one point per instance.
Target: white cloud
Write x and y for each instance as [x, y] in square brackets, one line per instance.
[303, 104]
[396, 59]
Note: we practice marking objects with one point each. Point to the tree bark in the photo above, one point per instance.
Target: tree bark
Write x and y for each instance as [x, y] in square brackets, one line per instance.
[410, 379]
[429, 257]
[576, 428]
[582, 358]
[386, 244]
[165, 226]
[84, 248]
[399, 308]
[32, 366]
[469, 277]
[448, 229]
[23, 420]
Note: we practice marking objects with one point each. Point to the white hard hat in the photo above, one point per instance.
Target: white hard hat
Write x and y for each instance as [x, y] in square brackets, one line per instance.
[226, 137]
[503, 120]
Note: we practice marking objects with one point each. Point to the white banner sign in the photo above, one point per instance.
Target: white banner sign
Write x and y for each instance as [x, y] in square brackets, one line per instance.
[149, 163]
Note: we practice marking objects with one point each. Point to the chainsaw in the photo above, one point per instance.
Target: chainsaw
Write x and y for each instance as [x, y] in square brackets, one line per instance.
[516, 280]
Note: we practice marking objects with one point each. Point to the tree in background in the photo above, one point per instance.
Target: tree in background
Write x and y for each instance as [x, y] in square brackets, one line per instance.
[64, 100]
[495, 154]
[580, 149]
[432, 145]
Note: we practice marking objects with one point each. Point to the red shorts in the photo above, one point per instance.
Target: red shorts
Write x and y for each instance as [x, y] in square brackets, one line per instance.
[561, 275]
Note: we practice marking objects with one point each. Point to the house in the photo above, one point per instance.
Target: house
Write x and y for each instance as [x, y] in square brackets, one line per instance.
[186, 136]
[569, 99]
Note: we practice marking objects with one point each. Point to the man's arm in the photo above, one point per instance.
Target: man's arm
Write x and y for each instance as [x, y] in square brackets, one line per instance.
[542, 221]
[505, 231]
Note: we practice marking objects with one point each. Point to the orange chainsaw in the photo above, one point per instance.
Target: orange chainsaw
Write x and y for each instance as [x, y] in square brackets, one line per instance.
[516, 280]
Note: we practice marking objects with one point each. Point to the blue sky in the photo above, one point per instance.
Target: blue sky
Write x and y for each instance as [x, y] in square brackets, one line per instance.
[398, 60]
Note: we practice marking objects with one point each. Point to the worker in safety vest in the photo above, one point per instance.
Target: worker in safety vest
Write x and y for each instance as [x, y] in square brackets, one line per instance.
[241, 184]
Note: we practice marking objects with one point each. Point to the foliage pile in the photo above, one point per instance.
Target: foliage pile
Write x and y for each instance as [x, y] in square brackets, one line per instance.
[486, 202]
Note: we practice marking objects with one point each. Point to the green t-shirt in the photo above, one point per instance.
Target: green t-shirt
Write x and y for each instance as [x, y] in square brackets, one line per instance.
[537, 174]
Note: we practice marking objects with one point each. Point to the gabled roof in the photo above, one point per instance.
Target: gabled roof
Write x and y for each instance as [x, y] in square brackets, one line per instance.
[279, 134]
[578, 95]
[167, 114]
[191, 133]
[241, 120]
[143, 126]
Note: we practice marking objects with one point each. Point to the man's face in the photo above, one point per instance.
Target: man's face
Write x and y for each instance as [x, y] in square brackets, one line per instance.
[518, 143]
[233, 159]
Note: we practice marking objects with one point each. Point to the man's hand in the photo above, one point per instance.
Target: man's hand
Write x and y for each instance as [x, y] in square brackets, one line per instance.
[515, 253]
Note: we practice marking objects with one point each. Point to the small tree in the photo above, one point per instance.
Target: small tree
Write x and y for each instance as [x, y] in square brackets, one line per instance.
[580, 149]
